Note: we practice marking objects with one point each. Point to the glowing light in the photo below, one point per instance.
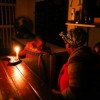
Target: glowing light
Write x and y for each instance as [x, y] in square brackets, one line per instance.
[20, 67]
[18, 75]
[17, 49]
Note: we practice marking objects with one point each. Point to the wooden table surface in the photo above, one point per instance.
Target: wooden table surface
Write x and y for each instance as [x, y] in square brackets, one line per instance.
[19, 82]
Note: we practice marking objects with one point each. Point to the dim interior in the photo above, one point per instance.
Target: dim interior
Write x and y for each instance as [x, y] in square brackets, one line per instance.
[20, 20]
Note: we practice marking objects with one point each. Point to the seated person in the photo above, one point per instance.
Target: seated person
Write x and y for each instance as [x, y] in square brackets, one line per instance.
[78, 79]
[35, 47]
[96, 48]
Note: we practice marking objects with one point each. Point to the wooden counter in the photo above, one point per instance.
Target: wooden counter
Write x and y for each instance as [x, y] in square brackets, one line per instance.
[19, 82]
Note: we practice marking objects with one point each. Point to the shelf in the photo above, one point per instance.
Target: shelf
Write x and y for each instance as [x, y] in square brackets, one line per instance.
[83, 25]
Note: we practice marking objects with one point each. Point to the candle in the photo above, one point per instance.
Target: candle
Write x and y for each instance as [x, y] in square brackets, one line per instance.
[17, 51]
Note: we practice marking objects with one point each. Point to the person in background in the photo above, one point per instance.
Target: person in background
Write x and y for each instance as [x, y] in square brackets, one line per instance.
[96, 48]
[76, 80]
[35, 47]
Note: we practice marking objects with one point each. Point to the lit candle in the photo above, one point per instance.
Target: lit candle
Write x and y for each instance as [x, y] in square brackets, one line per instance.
[17, 51]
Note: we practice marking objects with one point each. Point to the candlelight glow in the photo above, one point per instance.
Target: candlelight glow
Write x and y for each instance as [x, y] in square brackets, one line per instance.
[18, 72]
[18, 77]
[17, 49]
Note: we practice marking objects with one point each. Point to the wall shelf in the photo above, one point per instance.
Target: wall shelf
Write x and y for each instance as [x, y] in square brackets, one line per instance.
[83, 25]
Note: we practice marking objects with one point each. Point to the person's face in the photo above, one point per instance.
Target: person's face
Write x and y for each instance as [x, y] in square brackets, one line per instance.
[68, 49]
[38, 43]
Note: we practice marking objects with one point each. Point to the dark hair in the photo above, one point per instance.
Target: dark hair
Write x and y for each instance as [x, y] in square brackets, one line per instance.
[77, 37]
[40, 37]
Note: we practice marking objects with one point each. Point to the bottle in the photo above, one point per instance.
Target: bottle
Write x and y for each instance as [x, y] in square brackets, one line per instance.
[84, 17]
[73, 14]
[91, 19]
[82, 20]
[77, 17]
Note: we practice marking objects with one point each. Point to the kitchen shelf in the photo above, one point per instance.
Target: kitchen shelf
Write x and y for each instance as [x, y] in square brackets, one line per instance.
[83, 25]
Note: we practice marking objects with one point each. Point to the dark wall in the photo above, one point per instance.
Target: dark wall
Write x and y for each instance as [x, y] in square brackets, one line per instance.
[92, 7]
[50, 19]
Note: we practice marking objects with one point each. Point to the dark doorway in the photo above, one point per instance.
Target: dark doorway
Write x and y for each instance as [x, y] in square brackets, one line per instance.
[50, 19]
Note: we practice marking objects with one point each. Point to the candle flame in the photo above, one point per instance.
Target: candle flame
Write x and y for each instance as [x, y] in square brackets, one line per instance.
[17, 49]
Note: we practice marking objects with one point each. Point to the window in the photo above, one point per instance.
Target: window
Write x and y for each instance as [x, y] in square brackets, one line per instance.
[7, 17]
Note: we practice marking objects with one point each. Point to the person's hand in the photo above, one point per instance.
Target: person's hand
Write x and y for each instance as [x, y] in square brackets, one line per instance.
[55, 91]
[47, 50]
[58, 94]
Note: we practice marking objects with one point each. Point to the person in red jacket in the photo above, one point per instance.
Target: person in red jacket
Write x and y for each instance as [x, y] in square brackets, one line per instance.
[35, 47]
[77, 79]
